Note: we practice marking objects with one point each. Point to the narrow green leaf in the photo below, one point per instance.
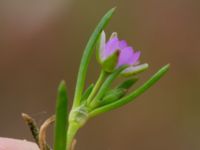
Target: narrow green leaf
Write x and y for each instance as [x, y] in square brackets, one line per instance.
[61, 122]
[133, 95]
[87, 55]
[87, 92]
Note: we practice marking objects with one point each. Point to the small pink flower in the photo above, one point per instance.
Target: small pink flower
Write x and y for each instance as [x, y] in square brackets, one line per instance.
[126, 53]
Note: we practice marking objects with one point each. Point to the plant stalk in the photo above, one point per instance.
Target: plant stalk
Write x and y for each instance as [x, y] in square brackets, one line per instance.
[72, 130]
[98, 84]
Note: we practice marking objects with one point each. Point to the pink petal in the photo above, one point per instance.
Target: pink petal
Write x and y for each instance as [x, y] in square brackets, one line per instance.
[135, 58]
[111, 46]
[126, 56]
[123, 44]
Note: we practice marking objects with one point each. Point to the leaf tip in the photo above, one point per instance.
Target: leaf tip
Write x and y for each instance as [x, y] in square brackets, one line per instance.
[62, 85]
[114, 8]
[166, 67]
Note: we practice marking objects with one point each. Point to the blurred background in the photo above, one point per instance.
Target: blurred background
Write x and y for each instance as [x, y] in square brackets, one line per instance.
[41, 43]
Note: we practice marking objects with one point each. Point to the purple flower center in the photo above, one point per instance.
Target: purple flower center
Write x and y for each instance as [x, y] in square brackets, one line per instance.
[127, 56]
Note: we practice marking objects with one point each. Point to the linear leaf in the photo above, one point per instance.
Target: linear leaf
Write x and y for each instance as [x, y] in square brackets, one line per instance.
[87, 92]
[61, 122]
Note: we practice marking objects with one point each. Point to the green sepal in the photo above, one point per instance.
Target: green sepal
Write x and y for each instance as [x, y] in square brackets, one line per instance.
[110, 63]
[61, 123]
[113, 35]
[98, 55]
[87, 92]
[134, 70]
[98, 46]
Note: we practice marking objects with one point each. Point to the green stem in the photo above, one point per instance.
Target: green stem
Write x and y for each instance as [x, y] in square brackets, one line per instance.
[105, 86]
[77, 118]
[98, 84]
[72, 130]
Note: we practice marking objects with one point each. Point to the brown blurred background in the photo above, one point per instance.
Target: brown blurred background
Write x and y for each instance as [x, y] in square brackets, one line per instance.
[41, 42]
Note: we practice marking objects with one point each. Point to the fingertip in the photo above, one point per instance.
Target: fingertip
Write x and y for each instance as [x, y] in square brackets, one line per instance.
[15, 144]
